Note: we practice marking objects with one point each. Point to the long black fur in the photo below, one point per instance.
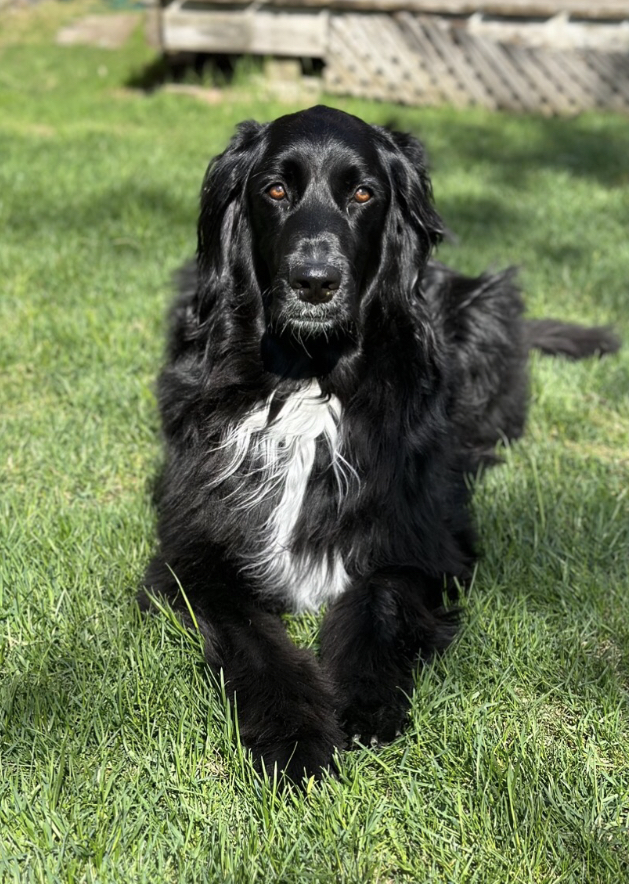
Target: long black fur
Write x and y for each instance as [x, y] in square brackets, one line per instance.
[329, 280]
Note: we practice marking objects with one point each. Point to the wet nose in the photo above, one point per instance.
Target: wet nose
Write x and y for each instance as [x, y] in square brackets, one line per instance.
[315, 283]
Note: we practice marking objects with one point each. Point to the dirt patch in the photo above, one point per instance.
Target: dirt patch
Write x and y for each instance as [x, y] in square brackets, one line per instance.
[209, 95]
[104, 31]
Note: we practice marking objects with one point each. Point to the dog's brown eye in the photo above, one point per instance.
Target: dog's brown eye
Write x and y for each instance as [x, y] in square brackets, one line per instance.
[277, 192]
[363, 195]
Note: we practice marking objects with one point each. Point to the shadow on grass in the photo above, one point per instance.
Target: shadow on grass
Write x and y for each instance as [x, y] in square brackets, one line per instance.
[200, 68]
[561, 551]
[583, 146]
[482, 216]
[82, 211]
[558, 145]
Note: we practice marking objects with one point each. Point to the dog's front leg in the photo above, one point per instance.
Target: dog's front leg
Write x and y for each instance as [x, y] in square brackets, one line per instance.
[371, 640]
[283, 699]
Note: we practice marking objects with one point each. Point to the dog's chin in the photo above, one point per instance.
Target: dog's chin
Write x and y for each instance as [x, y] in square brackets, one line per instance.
[309, 323]
[306, 347]
[306, 329]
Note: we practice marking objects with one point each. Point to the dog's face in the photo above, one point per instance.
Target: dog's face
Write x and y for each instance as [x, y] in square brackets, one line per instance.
[310, 219]
[318, 198]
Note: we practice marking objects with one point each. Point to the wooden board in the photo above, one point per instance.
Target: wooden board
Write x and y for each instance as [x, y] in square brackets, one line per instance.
[612, 10]
[258, 31]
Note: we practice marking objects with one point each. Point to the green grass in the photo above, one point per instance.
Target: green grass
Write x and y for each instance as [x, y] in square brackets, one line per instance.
[118, 760]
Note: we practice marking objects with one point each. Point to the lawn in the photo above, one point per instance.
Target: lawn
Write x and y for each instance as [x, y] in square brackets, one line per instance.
[118, 759]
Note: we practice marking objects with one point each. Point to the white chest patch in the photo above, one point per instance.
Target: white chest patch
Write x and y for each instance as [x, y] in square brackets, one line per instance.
[282, 450]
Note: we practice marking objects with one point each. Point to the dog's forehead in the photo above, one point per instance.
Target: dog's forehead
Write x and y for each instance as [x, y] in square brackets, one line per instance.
[324, 133]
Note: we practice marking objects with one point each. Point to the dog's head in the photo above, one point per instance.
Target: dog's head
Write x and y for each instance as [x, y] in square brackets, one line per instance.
[322, 212]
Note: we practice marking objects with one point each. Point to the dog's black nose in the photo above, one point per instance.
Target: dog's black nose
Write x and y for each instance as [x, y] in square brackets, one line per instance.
[315, 283]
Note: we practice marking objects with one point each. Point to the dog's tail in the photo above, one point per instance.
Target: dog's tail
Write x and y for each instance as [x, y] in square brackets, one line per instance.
[556, 338]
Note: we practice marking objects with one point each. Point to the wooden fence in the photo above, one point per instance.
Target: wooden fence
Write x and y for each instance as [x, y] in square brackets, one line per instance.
[539, 55]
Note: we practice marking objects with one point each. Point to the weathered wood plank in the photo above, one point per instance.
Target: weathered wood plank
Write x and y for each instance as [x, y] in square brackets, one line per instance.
[588, 9]
[261, 31]
[553, 33]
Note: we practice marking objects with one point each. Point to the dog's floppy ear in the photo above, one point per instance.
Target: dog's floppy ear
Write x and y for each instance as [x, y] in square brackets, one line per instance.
[223, 228]
[413, 215]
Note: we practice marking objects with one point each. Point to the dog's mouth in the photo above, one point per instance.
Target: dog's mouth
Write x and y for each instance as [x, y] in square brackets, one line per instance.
[288, 314]
[306, 329]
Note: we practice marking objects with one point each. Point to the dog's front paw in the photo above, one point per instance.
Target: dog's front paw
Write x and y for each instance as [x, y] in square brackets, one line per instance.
[299, 761]
[297, 758]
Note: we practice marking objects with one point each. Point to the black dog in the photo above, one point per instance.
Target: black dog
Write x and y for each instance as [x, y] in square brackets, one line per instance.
[327, 389]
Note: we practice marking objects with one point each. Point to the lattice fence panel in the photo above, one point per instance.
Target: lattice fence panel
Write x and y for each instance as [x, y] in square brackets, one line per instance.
[420, 59]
